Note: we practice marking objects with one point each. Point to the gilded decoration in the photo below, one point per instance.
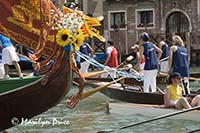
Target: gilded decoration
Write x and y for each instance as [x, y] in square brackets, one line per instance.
[24, 15]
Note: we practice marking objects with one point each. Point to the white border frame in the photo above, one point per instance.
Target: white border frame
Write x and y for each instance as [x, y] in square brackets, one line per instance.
[117, 11]
[139, 10]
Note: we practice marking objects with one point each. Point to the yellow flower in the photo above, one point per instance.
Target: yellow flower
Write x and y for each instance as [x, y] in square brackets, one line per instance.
[79, 38]
[63, 37]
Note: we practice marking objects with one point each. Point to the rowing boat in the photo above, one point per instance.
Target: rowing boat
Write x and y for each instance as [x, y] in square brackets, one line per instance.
[131, 94]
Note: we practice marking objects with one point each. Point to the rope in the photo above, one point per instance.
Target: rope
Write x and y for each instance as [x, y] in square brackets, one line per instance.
[131, 74]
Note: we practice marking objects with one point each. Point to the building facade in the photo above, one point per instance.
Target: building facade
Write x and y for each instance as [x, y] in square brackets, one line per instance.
[129, 18]
[124, 20]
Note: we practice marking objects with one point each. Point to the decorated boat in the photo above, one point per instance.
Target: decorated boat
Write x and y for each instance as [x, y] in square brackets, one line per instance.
[25, 22]
[28, 97]
[50, 34]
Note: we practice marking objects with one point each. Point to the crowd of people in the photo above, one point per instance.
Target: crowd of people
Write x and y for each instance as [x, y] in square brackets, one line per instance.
[147, 58]
[153, 59]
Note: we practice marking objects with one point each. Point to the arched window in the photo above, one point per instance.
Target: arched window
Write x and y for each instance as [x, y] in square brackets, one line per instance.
[177, 22]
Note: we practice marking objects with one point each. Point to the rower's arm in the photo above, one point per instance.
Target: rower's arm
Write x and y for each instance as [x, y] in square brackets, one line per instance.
[171, 51]
[166, 98]
[159, 52]
[139, 58]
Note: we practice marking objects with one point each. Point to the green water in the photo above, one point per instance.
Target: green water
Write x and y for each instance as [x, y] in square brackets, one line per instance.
[89, 117]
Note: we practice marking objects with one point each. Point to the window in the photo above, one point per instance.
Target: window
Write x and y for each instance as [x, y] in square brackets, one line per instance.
[145, 18]
[117, 20]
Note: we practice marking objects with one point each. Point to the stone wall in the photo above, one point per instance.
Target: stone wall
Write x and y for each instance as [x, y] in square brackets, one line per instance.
[162, 8]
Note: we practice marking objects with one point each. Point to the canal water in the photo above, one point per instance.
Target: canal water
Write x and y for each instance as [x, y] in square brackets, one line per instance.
[89, 117]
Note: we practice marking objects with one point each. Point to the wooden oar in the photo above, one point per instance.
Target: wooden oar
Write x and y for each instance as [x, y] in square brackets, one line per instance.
[190, 78]
[129, 58]
[164, 59]
[87, 94]
[153, 119]
[193, 78]
[161, 91]
[92, 74]
[75, 83]
[26, 58]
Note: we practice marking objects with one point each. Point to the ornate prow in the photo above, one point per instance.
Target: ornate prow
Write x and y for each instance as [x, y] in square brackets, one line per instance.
[26, 23]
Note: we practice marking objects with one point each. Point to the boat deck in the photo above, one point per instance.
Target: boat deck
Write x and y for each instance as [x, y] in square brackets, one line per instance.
[151, 110]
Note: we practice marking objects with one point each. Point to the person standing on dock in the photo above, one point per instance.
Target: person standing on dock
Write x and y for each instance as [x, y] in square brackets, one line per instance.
[140, 69]
[112, 58]
[165, 55]
[9, 56]
[178, 61]
[148, 49]
[87, 50]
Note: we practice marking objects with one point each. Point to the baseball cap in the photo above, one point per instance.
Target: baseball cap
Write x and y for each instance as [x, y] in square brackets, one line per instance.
[144, 35]
[176, 75]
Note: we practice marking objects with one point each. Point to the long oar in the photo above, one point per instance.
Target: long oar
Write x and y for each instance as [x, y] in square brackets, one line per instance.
[164, 59]
[26, 58]
[75, 83]
[87, 94]
[153, 119]
[92, 74]
[193, 78]
[129, 58]
[190, 78]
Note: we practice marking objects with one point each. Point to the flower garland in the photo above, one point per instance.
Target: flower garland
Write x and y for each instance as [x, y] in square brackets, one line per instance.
[73, 27]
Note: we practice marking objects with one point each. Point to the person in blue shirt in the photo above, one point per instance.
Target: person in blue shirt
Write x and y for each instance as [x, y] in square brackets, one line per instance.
[165, 55]
[148, 49]
[9, 56]
[87, 50]
[178, 61]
